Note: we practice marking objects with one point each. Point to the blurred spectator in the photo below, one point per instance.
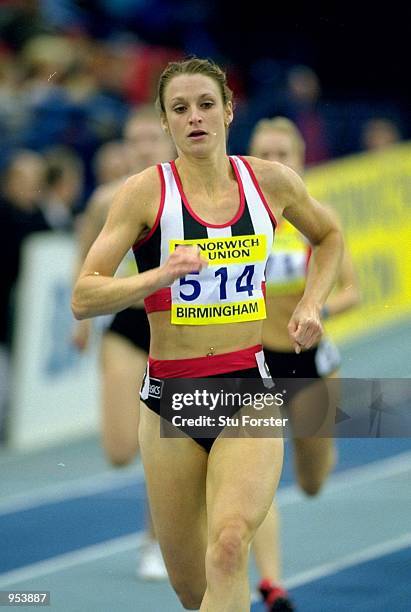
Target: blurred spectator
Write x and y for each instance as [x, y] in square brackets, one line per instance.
[379, 133]
[64, 180]
[294, 93]
[64, 15]
[72, 92]
[303, 105]
[20, 215]
[147, 64]
[145, 138]
[144, 142]
[109, 63]
[53, 118]
[20, 20]
[11, 116]
[111, 162]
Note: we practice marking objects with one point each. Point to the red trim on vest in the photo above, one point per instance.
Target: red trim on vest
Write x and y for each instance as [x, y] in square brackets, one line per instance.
[197, 367]
[138, 244]
[191, 211]
[158, 301]
[257, 186]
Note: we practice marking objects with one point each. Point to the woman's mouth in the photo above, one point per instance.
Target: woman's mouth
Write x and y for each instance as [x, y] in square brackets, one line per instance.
[197, 134]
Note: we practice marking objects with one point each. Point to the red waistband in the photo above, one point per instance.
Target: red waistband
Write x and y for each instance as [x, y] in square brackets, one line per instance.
[198, 367]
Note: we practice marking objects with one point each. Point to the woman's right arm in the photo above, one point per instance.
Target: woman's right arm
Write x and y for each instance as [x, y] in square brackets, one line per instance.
[134, 209]
[91, 224]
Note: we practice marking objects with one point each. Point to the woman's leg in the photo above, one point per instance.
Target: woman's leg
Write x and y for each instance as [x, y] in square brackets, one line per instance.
[242, 477]
[175, 470]
[123, 370]
[314, 457]
[266, 546]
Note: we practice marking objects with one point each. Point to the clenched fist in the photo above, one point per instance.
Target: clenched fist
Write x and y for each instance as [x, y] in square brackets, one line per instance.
[184, 260]
[305, 327]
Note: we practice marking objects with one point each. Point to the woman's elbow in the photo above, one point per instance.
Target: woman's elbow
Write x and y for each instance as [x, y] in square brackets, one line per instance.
[357, 297]
[353, 298]
[77, 311]
[78, 307]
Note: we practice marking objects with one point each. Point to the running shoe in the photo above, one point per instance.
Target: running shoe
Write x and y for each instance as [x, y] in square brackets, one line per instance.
[276, 598]
[151, 565]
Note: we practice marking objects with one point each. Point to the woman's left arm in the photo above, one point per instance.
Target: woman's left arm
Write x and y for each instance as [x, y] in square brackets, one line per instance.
[346, 293]
[322, 230]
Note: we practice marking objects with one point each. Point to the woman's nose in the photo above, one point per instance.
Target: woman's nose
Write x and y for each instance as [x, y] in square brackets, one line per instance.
[195, 116]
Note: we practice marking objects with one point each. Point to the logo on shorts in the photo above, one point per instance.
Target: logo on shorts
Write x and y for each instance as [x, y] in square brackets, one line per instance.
[155, 388]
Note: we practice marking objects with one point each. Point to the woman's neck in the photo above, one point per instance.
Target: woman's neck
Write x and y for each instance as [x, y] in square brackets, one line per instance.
[210, 175]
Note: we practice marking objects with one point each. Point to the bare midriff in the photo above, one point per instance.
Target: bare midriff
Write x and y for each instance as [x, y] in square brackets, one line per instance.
[184, 341]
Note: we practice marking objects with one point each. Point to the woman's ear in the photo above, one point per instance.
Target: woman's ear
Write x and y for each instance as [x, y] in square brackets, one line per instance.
[164, 124]
[228, 114]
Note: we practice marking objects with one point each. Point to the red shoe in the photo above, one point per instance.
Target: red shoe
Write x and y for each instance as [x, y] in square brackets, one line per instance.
[275, 597]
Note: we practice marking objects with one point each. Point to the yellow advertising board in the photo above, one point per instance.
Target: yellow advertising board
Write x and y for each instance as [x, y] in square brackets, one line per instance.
[372, 194]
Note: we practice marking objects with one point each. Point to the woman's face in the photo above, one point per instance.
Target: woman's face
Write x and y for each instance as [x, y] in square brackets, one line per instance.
[195, 114]
[276, 145]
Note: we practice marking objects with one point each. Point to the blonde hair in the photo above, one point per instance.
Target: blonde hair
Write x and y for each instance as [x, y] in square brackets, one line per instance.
[193, 65]
[284, 125]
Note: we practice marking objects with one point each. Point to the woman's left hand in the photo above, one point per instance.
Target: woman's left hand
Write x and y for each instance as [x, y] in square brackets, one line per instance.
[305, 327]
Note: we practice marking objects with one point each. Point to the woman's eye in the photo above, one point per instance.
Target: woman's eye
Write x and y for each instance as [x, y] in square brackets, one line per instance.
[179, 109]
[207, 104]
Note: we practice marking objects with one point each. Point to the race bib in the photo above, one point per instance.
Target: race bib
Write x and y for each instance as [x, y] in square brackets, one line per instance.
[229, 289]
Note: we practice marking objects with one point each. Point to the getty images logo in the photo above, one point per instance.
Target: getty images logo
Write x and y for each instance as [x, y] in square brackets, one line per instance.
[155, 388]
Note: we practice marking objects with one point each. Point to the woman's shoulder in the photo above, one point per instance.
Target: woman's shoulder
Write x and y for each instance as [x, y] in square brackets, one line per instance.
[272, 176]
[139, 197]
[147, 179]
[143, 187]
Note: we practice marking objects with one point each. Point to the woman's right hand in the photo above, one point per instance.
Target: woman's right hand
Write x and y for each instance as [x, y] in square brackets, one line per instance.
[184, 260]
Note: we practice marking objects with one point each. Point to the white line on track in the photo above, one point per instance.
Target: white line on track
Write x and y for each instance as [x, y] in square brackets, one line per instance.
[134, 540]
[376, 470]
[111, 481]
[63, 491]
[73, 559]
[370, 553]
[367, 554]
[362, 474]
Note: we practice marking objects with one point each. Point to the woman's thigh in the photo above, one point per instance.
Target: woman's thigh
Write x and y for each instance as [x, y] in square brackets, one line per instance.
[123, 370]
[243, 474]
[313, 416]
[175, 470]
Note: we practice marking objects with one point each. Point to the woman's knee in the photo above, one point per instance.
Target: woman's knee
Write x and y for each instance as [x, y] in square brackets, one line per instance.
[189, 591]
[228, 547]
[119, 437]
[190, 598]
[120, 455]
[311, 475]
[311, 485]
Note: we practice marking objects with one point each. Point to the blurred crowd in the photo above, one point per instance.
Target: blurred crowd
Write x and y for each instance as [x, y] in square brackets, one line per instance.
[71, 75]
[71, 71]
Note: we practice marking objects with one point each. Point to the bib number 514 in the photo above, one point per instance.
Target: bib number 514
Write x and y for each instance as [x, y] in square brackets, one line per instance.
[243, 283]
